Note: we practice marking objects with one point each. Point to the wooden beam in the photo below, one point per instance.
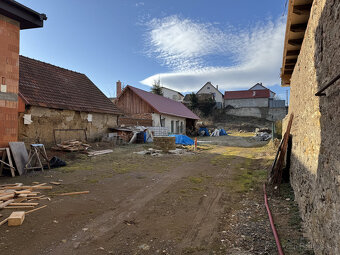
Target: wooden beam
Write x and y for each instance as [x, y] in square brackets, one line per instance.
[295, 42]
[288, 72]
[298, 27]
[289, 67]
[291, 61]
[302, 9]
[293, 52]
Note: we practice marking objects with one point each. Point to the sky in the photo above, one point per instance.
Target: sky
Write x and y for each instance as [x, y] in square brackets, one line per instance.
[182, 43]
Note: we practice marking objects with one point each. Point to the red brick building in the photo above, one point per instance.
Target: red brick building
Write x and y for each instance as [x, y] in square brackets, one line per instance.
[13, 18]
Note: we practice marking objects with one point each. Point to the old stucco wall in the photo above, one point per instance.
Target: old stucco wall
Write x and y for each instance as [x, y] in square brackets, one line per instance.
[45, 120]
[315, 161]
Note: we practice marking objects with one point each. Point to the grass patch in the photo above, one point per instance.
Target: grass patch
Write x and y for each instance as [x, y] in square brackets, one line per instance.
[195, 180]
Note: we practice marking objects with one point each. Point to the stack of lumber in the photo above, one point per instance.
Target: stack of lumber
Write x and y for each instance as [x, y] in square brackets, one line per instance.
[18, 196]
[72, 145]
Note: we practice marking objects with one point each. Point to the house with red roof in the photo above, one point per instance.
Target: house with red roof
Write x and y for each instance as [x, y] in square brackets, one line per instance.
[56, 104]
[257, 96]
[258, 101]
[161, 111]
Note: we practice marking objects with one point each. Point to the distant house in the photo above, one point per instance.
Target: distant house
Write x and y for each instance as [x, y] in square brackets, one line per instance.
[59, 104]
[162, 111]
[258, 101]
[257, 96]
[209, 89]
[259, 86]
[172, 94]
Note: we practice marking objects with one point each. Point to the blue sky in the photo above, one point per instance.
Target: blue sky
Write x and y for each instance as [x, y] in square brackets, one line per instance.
[185, 43]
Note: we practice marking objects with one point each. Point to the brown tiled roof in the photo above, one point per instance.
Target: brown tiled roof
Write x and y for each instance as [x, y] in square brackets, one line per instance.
[246, 94]
[46, 85]
[164, 105]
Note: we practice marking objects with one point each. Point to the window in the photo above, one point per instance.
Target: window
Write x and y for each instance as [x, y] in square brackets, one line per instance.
[208, 87]
[181, 127]
[177, 127]
[172, 126]
[163, 122]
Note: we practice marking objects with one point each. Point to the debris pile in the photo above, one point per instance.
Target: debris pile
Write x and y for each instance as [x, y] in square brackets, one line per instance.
[262, 136]
[19, 197]
[158, 153]
[72, 145]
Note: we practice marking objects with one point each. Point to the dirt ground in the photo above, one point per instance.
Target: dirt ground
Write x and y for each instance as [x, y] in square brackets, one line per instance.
[210, 202]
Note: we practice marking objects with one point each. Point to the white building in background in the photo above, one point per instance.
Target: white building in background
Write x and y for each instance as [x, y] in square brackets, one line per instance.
[172, 94]
[210, 89]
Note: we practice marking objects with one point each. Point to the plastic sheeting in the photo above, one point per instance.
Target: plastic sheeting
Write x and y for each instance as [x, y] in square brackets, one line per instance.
[223, 132]
[183, 139]
[204, 130]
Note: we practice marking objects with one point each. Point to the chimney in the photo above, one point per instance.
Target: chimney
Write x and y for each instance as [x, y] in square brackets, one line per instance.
[118, 88]
[217, 87]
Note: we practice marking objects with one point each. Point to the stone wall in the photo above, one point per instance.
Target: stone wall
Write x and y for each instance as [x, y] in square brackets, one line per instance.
[45, 120]
[9, 79]
[315, 160]
[271, 114]
[164, 143]
[247, 102]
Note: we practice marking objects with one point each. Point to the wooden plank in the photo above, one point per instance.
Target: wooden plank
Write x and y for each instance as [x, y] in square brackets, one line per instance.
[20, 155]
[23, 204]
[3, 205]
[3, 222]
[55, 183]
[74, 193]
[19, 207]
[6, 197]
[16, 218]
[36, 209]
[3, 160]
[10, 161]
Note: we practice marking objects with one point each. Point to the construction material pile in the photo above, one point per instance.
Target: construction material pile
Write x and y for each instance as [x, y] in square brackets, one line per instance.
[72, 145]
[24, 199]
[19, 197]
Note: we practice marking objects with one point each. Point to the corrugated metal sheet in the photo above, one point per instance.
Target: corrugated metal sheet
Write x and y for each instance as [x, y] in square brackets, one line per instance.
[46, 85]
[164, 105]
[246, 94]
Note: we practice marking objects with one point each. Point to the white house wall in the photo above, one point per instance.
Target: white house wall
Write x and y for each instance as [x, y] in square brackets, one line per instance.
[174, 95]
[156, 122]
[211, 90]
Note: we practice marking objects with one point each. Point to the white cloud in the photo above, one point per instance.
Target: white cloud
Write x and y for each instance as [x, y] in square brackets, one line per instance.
[139, 4]
[185, 47]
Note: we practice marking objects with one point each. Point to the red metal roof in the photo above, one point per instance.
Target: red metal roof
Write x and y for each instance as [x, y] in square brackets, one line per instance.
[246, 94]
[164, 105]
[46, 85]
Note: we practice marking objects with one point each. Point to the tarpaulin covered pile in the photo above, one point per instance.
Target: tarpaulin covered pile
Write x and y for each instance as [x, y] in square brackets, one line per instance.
[183, 139]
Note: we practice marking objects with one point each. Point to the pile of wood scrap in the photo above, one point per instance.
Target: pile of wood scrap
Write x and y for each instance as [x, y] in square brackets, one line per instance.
[96, 153]
[24, 199]
[72, 145]
[20, 198]
[280, 160]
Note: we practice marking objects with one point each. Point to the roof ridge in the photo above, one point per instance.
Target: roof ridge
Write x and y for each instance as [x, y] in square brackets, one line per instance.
[45, 63]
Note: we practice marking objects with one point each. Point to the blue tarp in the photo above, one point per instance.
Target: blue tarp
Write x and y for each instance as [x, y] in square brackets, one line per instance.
[183, 139]
[205, 130]
[223, 132]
